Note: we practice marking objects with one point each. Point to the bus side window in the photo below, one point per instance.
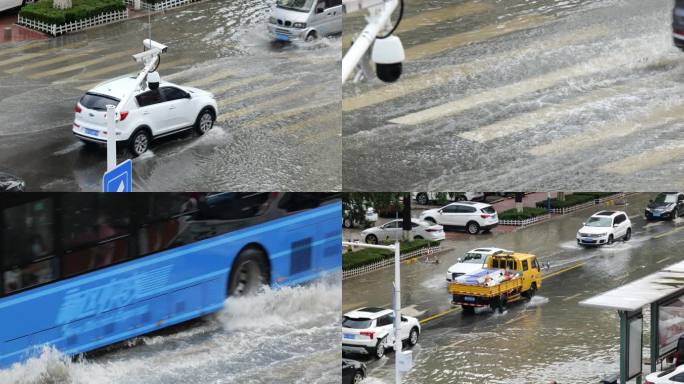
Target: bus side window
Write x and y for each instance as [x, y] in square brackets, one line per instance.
[294, 202]
[28, 245]
[234, 205]
[163, 218]
[96, 231]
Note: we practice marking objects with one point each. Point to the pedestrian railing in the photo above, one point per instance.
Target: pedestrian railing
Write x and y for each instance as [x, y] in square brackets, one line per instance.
[525, 222]
[59, 29]
[162, 5]
[427, 251]
[563, 211]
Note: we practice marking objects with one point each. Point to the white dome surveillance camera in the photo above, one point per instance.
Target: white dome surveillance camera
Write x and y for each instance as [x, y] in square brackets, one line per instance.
[149, 44]
[153, 80]
[388, 55]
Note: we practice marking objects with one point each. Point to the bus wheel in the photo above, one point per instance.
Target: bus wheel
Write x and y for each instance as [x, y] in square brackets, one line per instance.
[249, 273]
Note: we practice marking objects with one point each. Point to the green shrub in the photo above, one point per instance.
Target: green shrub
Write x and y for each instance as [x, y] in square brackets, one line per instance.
[42, 10]
[367, 256]
[527, 213]
[574, 199]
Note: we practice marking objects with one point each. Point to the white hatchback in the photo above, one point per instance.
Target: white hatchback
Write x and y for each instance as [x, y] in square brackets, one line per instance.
[474, 217]
[471, 261]
[668, 376]
[392, 230]
[149, 114]
[604, 228]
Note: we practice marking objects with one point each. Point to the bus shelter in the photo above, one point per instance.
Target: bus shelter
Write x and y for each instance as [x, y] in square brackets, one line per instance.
[663, 292]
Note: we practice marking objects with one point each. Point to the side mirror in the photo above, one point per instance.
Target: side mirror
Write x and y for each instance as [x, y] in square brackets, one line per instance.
[583, 224]
[188, 95]
[459, 259]
[616, 225]
[320, 7]
[440, 211]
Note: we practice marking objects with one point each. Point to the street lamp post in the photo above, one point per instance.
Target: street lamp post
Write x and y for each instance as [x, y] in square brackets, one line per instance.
[397, 299]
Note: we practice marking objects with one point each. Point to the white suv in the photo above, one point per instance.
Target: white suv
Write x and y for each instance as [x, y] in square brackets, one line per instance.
[370, 331]
[474, 217]
[150, 114]
[604, 228]
[472, 261]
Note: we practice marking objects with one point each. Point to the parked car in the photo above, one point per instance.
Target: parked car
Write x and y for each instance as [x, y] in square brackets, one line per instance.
[604, 228]
[472, 216]
[160, 109]
[370, 217]
[10, 183]
[393, 230]
[472, 261]
[305, 20]
[669, 205]
[678, 24]
[668, 376]
[423, 198]
[353, 372]
[370, 331]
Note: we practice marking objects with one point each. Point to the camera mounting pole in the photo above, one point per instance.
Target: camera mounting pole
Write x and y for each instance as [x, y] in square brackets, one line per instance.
[379, 15]
[150, 58]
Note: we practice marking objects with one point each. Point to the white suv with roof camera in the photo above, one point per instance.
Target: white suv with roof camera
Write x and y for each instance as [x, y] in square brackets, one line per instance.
[370, 331]
[604, 228]
[305, 20]
[157, 109]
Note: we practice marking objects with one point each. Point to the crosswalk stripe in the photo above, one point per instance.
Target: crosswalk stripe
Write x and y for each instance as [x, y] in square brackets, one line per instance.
[485, 33]
[132, 65]
[520, 88]
[282, 115]
[541, 116]
[646, 160]
[45, 63]
[438, 76]
[434, 17]
[22, 47]
[258, 92]
[211, 79]
[19, 59]
[655, 117]
[270, 102]
[82, 65]
[325, 134]
[238, 83]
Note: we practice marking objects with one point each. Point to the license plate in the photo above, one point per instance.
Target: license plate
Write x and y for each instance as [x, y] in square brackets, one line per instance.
[585, 240]
[469, 298]
[656, 214]
[349, 336]
[92, 132]
[282, 37]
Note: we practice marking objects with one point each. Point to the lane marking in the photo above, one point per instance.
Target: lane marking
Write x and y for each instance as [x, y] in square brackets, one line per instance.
[653, 118]
[325, 134]
[81, 65]
[442, 75]
[668, 233]
[649, 159]
[570, 268]
[479, 35]
[437, 316]
[133, 65]
[258, 92]
[521, 88]
[24, 57]
[513, 320]
[273, 101]
[284, 115]
[433, 17]
[663, 259]
[23, 47]
[45, 63]
[572, 297]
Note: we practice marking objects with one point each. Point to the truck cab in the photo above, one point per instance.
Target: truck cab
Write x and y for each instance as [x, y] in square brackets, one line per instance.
[523, 263]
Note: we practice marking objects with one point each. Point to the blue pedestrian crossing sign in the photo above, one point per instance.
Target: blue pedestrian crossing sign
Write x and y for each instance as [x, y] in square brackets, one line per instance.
[119, 179]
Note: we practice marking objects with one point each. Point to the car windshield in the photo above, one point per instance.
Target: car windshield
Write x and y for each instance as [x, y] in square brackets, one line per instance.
[666, 198]
[296, 5]
[472, 258]
[98, 102]
[596, 221]
[359, 323]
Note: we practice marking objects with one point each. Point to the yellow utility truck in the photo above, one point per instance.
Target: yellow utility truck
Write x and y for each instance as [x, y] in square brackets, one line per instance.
[506, 277]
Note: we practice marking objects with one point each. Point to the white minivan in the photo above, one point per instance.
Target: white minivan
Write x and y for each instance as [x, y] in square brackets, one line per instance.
[305, 20]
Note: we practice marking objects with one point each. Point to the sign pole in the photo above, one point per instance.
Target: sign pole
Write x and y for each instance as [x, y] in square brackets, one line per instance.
[111, 137]
[397, 310]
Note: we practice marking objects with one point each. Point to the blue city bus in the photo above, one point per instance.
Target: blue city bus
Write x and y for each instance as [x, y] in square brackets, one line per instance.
[81, 271]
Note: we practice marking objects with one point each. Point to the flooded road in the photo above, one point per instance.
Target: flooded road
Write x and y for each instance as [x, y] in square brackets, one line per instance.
[228, 347]
[279, 107]
[543, 94]
[549, 338]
